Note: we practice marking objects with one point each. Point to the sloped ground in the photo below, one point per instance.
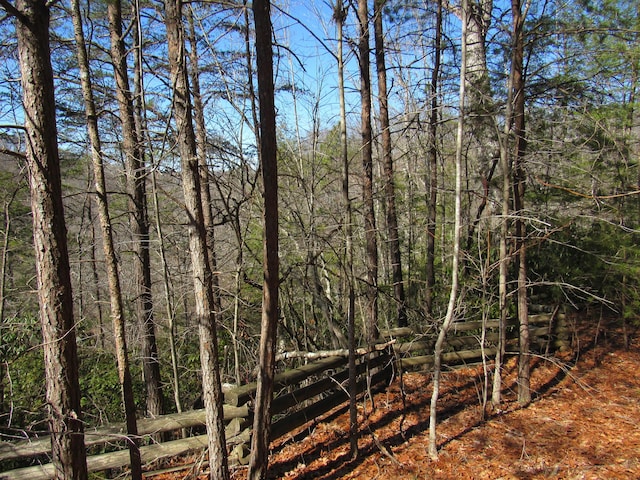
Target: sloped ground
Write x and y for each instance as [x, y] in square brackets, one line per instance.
[582, 424]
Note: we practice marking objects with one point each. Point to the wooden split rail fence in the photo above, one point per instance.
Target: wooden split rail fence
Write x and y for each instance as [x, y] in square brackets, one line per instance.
[303, 394]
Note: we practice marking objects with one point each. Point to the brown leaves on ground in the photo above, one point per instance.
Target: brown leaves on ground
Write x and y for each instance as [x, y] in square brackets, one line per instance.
[582, 424]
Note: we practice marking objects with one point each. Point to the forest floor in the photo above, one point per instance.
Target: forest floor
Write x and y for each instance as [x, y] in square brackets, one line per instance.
[581, 424]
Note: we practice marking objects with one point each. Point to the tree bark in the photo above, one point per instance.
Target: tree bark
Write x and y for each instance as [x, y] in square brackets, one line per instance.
[169, 300]
[371, 320]
[432, 167]
[453, 294]
[138, 216]
[268, 159]
[505, 162]
[96, 280]
[496, 397]
[201, 144]
[115, 292]
[389, 184]
[339, 16]
[144, 139]
[519, 180]
[484, 149]
[50, 240]
[183, 117]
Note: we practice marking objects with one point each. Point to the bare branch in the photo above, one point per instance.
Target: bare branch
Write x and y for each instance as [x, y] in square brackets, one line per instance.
[13, 153]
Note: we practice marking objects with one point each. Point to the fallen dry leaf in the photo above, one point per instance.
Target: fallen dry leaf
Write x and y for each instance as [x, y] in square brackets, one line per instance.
[581, 425]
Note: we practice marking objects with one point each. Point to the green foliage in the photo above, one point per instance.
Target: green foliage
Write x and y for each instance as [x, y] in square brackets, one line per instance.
[24, 373]
[19, 296]
[101, 400]
[190, 378]
[585, 264]
[18, 336]
[582, 66]
[25, 392]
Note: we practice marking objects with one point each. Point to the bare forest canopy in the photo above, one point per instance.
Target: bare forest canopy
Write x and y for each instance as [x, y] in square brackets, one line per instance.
[550, 164]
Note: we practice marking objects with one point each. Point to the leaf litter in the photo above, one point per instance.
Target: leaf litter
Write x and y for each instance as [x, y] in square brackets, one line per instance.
[581, 424]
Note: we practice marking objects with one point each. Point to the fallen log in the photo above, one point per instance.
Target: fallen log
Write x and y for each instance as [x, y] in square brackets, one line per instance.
[397, 332]
[243, 393]
[326, 404]
[465, 325]
[284, 402]
[415, 346]
[115, 432]
[341, 352]
[449, 357]
[149, 454]
[105, 461]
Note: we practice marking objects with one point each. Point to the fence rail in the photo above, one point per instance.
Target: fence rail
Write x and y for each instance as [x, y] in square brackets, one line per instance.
[303, 393]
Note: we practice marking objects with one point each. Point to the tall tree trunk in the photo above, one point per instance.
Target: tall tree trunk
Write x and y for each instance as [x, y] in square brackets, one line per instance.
[183, 118]
[142, 241]
[169, 300]
[139, 222]
[453, 295]
[201, 144]
[115, 293]
[50, 239]
[339, 16]
[505, 163]
[85, 213]
[97, 300]
[484, 149]
[519, 179]
[144, 139]
[371, 320]
[268, 158]
[432, 167]
[389, 184]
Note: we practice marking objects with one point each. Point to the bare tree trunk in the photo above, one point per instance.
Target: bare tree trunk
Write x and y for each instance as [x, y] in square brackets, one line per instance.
[484, 145]
[115, 293]
[519, 180]
[201, 144]
[268, 158]
[339, 16]
[505, 162]
[136, 190]
[389, 184]
[50, 239]
[453, 295]
[236, 316]
[96, 280]
[170, 304]
[142, 241]
[371, 320]
[321, 298]
[85, 212]
[236, 220]
[258, 463]
[432, 168]
[634, 125]
[143, 137]
[212, 391]
[496, 397]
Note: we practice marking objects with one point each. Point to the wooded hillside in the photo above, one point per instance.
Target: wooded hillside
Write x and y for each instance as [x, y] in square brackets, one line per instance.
[428, 163]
